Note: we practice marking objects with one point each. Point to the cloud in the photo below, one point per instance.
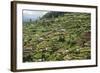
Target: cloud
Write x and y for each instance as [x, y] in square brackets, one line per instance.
[34, 13]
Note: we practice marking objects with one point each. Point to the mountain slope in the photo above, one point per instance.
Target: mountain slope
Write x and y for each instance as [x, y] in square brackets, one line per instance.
[58, 36]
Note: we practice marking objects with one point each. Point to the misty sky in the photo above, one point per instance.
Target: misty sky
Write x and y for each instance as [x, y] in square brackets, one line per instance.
[32, 14]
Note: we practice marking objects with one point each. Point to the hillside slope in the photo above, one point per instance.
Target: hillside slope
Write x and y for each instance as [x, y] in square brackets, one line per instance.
[57, 36]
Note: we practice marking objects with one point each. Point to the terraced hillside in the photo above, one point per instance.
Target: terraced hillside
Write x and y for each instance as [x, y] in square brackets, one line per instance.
[57, 36]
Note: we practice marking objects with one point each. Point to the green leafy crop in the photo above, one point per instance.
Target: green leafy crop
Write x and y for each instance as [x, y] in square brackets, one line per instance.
[57, 36]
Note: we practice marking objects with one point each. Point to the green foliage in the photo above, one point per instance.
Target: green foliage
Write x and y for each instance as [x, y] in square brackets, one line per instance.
[58, 36]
